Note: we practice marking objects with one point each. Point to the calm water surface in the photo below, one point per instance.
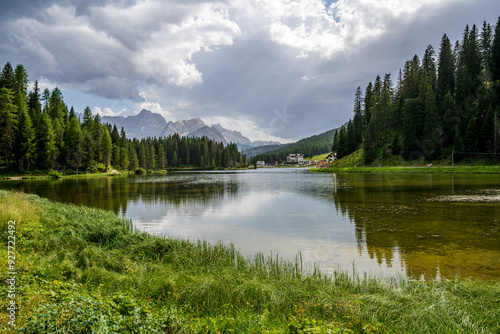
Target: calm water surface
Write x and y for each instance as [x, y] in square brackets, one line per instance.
[420, 225]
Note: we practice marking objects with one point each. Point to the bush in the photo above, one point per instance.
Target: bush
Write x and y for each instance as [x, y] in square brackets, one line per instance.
[101, 168]
[55, 174]
[93, 169]
[140, 171]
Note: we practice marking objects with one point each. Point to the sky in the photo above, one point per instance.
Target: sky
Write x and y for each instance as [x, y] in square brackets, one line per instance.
[271, 69]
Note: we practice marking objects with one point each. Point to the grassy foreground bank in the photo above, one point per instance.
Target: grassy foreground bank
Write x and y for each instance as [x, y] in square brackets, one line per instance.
[82, 270]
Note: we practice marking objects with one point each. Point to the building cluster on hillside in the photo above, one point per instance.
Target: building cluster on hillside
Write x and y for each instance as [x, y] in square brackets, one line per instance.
[267, 163]
[325, 162]
[297, 159]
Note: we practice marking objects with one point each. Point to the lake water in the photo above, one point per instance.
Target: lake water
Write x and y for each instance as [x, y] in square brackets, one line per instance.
[419, 225]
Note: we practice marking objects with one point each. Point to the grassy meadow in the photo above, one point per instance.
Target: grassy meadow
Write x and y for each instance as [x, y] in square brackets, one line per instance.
[83, 270]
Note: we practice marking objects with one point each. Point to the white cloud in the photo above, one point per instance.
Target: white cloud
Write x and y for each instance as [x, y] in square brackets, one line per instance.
[247, 127]
[105, 112]
[311, 28]
[111, 50]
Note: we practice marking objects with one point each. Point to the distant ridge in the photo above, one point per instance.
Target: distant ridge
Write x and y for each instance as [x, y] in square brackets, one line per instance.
[253, 151]
[149, 124]
[210, 132]
[183, 128]
[145, 124]
[310, 146]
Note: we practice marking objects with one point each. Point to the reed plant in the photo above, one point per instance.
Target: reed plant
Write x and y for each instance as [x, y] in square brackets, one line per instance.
[83, 270]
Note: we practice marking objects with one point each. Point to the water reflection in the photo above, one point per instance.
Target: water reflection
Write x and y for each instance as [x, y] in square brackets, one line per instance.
[427, 226]
[413, 218]
[117, 193]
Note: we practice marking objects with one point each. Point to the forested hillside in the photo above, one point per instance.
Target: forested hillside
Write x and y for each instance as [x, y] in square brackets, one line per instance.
[39, 132]
[310, 146]
[445, 101]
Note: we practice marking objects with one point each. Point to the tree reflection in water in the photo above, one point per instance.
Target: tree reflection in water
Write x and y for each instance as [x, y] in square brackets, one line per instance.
[410, 215]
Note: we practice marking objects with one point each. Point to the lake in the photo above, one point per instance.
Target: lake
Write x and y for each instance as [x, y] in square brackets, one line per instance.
[426, 226]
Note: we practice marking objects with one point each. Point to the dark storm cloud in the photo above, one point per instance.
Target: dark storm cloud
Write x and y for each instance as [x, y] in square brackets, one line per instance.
[289, 69]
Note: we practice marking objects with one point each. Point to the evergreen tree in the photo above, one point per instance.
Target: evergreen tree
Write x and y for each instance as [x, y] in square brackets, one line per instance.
[368, 101]
[132, 155]
[124, 160]
[98, 134]
[115, 135]
[73, 141]
[451, 119]
[162, 158]
[151, 158]
[175, 160]
[446, 73]
[358, 116]
[58, 110]
[335, 145]
[88, 120]
[25, 138]
[386, 114]
[88, 149]
[123, 138]
[486, 138]
[495, 62]
[433, 134]
[370, 151]
[485, 49]
[45, 99]
[143, 155]
[429, 65]
[342, 149]
[471, 135]
[411, 109]
[20, 83]
[352, 143]
[411, 79]
[7, 79]
[59, 140]
[107, 147]
[34, 104]
[468, 76]
[8, 124]
[115, 155]
[46, 145]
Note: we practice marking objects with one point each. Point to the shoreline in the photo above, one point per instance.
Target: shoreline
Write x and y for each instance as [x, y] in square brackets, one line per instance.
[412, 170]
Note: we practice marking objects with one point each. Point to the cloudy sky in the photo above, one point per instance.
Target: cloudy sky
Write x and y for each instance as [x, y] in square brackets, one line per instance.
[268, 68]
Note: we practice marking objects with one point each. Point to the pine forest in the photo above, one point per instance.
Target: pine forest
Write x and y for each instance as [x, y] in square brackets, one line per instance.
[40, 133]
[446, 101]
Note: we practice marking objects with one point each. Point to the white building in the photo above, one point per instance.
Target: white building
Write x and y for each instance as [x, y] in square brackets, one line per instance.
[261, 164]
[331, 157]
[295, 159]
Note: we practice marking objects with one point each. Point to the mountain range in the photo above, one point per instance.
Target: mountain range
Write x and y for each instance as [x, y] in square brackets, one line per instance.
[149, 124]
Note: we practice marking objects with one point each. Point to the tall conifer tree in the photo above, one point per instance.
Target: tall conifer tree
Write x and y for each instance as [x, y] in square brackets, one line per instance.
[8, 124]
[446, 73]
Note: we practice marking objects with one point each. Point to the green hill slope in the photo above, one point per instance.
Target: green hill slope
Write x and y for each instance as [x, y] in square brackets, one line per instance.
[310, 146]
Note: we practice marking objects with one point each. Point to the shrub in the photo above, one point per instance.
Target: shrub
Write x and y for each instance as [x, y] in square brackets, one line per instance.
[140, 171]
[55, 174]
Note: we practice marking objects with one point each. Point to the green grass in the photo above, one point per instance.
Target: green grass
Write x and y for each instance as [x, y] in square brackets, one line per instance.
[354, 163]
[318, 157]
[423, 169]
[83, 270]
